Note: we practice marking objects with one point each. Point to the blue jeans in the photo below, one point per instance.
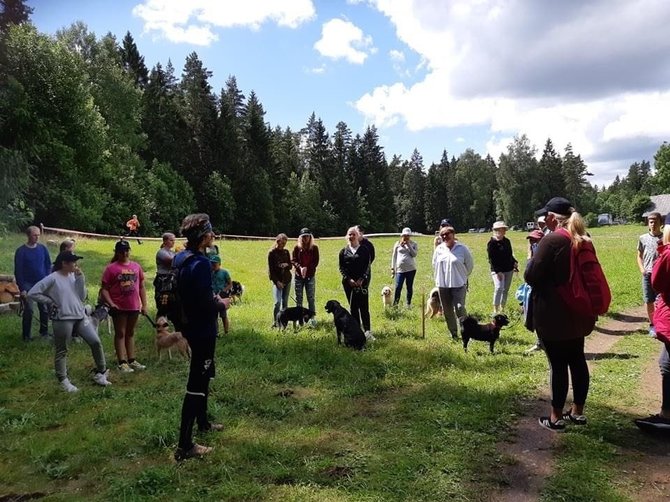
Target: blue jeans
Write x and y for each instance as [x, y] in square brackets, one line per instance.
[400, 278]
[280, 297]
[309, 285]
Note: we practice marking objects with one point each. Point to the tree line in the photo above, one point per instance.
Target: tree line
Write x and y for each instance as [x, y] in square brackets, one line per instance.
[90, 135]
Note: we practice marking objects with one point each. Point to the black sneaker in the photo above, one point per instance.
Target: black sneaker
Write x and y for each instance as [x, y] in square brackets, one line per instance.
[557, 426]
[574, 419]
[654, 422]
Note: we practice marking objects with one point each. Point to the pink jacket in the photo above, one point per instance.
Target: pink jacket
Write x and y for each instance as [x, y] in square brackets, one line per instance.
[660, 281]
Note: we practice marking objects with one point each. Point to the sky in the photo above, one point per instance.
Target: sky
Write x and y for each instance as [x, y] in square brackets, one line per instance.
[431, 75]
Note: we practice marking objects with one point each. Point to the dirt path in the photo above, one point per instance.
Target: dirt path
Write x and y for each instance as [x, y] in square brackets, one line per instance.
[529, 449]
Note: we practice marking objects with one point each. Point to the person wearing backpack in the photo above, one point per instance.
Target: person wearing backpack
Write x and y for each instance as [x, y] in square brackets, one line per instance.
[561, 328]
[660, 281]
[199, 326]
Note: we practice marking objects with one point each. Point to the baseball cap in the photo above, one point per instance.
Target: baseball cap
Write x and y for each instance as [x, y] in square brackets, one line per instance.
[406, 231]
[558, 205]
[305, 231]
[121, 246]
[446, 222]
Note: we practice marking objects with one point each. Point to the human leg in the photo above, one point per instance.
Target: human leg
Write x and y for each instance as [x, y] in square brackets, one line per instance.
[409, 277]
[299, 286]
[649, 296]
[458, 299]
[27, 319]
[498, 279]
[399, 281]
[277, 297]
[88, 333]
[131, 322]
[285, 295]
[119, 319]
[62, 336]
[310, 289]
[448, 311]
[579, 373]
[558, 376]
[364, 300]
[44, 319]
[507, 283]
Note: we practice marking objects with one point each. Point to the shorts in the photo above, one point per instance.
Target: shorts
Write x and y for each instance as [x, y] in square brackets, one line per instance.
[648, 293]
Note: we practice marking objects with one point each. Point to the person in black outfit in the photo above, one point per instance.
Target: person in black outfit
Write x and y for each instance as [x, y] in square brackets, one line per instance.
[201, 308]
[355, 262]
[503, 265]
[366, 243]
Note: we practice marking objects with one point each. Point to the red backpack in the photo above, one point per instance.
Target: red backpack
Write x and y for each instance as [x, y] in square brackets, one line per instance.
[586, 292]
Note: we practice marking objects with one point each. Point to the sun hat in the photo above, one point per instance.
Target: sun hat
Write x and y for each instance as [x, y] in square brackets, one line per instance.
[499, 224]
[558, 205]
[406, 231]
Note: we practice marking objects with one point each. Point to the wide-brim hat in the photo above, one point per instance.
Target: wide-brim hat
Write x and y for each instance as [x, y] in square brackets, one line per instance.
[499, 225]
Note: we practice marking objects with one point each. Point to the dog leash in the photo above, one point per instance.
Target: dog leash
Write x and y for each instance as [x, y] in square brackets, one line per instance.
[150, 320]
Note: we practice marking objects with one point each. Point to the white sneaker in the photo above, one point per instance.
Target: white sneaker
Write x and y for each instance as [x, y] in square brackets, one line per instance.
[125, 368]
[137, 366]
[67, 386]
[101, 378]
[369, 337]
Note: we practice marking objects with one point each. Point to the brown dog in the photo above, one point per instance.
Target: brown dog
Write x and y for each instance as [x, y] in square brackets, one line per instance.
[166, 339]
[433, 307]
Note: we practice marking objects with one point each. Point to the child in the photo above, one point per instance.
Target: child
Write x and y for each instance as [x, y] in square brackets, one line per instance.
[221, 284]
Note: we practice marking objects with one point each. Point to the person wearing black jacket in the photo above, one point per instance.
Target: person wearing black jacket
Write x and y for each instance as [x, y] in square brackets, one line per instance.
[503, 265]
[201, 308]
[354, 263]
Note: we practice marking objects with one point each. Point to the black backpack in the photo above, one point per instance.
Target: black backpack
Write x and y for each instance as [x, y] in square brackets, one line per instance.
[169, 299]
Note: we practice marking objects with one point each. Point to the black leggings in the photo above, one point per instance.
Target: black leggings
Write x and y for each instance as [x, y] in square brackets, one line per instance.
[564, 355]
[200, 373]
[359, 303]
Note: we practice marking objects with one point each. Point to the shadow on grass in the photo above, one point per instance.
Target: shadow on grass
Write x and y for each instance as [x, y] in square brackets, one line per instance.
[625, 317]
[590, 356]
[615, 332]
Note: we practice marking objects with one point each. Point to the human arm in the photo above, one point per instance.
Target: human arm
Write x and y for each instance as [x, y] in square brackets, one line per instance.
[143, 295]
[413, 249]
[18, 270]
[394, 259]
[80, 284]
[40, 291]
[640, 257]
[468, 260]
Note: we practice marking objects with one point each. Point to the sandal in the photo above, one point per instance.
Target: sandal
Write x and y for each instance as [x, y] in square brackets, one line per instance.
[574, 419]
[557, 426]
[196, 451]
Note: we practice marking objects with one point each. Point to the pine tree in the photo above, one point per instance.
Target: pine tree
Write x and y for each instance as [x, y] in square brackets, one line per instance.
[133, 62]
[13, 12]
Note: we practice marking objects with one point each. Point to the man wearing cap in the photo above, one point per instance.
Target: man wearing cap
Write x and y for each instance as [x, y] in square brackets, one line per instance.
[403, 264]
[305, 259]
[647, 254]
[63, 292]
[32, 264]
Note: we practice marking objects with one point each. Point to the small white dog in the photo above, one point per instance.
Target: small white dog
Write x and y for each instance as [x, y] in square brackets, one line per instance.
[387, 299]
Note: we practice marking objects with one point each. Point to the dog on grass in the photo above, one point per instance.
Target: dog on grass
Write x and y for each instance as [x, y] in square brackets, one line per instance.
[296, 315]
[346, 326]
[98, 315]
[434, 306]
[236, 292]
[166, 339]
[472, 330]
[387, 299]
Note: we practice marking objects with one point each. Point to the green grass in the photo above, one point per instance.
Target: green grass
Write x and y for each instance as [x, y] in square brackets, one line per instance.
[408, 419]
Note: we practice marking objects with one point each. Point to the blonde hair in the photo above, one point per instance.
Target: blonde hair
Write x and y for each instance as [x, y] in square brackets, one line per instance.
[666, 234]
[306, 241]
[280, 237]
[575, 226]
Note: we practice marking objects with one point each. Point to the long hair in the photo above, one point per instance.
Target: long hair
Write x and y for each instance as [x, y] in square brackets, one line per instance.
[575, 225]
[306, 242]
[280, 237]
[666, 234]
[195, 227]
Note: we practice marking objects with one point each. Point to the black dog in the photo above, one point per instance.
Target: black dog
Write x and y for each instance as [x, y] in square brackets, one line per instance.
[346, 326]
[235, 293]
[299, 315]
[471, 329]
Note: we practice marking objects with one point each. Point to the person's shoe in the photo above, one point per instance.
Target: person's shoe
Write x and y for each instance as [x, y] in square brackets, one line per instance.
[125, 368]
[369, 336]
[574, 419]
[67, 386]
[137, 366]
[652, 331]
[196, 451]
[557, 426]
[535, 348]
[101, 378]
[655, 421]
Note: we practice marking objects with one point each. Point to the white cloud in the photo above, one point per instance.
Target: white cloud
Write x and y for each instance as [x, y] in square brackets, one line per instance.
[594, 74]
[396, 55]
[192, 21]
[341, 39]
[317, 70]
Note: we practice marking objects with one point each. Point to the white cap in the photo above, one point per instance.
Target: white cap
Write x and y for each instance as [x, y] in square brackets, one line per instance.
[406, 231]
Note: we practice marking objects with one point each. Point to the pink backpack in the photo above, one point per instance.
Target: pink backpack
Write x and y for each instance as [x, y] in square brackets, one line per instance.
[586, 292]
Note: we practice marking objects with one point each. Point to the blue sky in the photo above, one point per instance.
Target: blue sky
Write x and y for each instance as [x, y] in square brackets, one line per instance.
[430, 74]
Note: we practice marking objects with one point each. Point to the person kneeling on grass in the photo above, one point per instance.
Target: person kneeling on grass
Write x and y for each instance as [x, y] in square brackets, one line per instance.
[660, 281]
[64, 292]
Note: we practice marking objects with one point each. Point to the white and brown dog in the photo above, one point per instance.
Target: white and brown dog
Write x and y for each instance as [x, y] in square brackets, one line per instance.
[387, 297]
[166, 339]
[434, 306]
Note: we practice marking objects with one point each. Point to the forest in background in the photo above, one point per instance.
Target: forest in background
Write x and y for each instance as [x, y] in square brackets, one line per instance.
[89, 135]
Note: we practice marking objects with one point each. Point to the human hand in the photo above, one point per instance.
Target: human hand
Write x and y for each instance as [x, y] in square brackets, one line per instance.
[280, 285]
[303, 271]
[144, 310]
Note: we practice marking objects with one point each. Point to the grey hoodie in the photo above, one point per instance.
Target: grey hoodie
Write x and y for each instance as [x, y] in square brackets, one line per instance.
[65, 292]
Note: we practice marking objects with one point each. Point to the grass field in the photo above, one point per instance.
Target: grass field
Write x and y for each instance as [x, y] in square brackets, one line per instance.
[408, 419]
